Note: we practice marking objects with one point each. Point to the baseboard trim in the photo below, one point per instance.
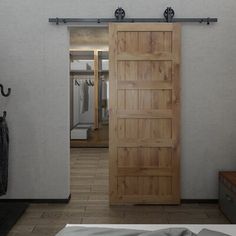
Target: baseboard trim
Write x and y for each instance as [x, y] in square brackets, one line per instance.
[67, 200]
[202, 201]
[92, 146]
[52, 201]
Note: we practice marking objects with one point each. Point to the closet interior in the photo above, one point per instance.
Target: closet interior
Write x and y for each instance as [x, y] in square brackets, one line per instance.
[89, 87]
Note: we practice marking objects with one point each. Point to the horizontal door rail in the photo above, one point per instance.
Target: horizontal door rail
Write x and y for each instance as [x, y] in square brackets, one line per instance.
[129, 20]
[120, 17]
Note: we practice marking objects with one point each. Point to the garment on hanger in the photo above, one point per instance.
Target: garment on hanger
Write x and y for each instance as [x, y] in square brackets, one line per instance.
[4, 149]
[84, 96]
[104, 94]
[104, 89]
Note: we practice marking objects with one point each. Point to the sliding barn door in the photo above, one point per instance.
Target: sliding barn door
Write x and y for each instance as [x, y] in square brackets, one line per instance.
[144, 128]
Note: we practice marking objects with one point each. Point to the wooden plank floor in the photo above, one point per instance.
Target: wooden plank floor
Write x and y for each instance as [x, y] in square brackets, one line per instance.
[89, 203]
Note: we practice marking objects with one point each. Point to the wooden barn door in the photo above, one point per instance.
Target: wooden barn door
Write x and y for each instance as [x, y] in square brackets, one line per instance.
[144, 133]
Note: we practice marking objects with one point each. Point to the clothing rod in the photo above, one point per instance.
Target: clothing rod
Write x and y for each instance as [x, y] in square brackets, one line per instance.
[83, 78]
[82, 73]
[131, 20]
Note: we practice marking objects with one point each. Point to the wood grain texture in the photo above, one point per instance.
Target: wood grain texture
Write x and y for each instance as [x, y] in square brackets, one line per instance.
[230, 176]
[144, 113]
[89, 199]
[113, 126]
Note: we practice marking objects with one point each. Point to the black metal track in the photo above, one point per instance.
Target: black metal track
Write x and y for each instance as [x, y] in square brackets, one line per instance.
[130, 20]
[120, 18]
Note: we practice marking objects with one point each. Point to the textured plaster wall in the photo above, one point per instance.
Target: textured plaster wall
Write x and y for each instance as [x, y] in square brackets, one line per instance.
[34, 62]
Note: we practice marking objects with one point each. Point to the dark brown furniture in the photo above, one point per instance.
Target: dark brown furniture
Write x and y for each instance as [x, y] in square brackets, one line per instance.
[227, 194]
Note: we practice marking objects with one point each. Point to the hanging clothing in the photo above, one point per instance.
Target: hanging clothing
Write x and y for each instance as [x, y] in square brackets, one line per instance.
[84, 97]
[104, 94]
[4, 150]
[104, 89]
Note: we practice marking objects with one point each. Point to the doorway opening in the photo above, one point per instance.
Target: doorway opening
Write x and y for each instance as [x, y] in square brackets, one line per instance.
[89, 87]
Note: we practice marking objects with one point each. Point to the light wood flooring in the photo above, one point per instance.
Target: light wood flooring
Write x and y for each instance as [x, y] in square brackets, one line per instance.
[89, 203]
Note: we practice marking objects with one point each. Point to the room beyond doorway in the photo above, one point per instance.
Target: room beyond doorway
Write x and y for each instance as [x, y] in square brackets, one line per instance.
[98, 138]
[89, 86]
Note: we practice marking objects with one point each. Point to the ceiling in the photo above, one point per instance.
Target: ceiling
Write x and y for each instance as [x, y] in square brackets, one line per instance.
[88, 38]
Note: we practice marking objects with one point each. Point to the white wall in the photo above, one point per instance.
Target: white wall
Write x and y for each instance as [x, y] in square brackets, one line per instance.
[34, 61]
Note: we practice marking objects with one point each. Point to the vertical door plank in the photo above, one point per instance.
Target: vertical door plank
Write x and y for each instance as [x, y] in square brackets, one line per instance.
[131, 100]
[176, 44]
[113, 133]
[131, 42]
